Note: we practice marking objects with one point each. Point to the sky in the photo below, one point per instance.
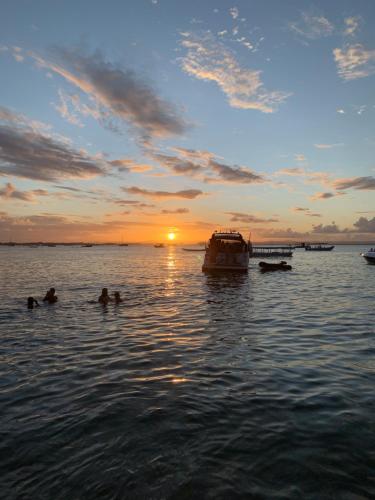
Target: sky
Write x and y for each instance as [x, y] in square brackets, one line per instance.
[128, 120]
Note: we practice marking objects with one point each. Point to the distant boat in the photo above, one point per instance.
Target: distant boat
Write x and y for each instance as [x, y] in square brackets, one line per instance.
[272, 251]
[319, 247]
[194, 249]
[227, 251]
[159, 245]
[87, 245]
[123, 244]
[369, 256]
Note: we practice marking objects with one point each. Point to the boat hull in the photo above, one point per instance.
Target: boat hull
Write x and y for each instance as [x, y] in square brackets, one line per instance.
[370, 260]
[323, 249]
[224, 268]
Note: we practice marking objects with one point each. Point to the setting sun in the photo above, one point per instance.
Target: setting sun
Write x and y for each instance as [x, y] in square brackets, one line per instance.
[171, 236]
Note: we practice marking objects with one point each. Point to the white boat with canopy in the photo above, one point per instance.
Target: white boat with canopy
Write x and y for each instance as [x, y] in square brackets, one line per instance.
[227, 251]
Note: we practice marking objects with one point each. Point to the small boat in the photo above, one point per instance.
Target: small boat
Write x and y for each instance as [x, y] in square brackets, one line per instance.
[159, 245]
[227, 251]
[270, 266]
[319, 247]
[369, 256]
[194, 249]
[87, 245]
[272, 251]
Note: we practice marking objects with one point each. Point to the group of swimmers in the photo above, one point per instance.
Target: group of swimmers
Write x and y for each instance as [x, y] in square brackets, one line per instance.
[51, 298]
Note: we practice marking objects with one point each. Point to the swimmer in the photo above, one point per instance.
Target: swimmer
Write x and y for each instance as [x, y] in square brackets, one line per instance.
[104, 298]
[118, 299]
[31, 301]
[50, 297]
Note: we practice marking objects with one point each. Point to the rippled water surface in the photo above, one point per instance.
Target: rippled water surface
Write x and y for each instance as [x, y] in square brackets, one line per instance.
[197, 386]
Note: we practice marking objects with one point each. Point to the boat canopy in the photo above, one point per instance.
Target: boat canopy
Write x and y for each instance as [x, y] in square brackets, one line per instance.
[227, 236]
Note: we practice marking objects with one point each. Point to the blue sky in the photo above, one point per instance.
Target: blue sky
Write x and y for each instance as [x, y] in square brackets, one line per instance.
[133, 117]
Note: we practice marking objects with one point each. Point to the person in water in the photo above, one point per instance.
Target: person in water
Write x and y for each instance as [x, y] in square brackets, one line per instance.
[50, 297]
[104, 298]
[31, 301]
[118, 299]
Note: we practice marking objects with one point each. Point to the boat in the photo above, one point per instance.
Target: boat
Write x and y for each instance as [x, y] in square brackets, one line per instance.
[227, 251]
[194, 249]
[87, 245]
[318, 247]
[369, 256]
[272, 251]
[272, 266]
[159, 245]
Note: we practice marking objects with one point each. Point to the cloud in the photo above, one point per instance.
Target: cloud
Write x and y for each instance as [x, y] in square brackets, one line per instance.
[248, 219]
[361, 183]
[129, 165]
[300, 209]
[65, 112]
[188, 194]
[176, 211]
[322, 196]
[305, 211]
[240, 175]
[297, 171]
[354, 61]
[328, 146]
[177, 165]
[352, 24]
[234, 12]
[328, 229]
[121, 92]
[208, 59]
[364, 225]
[9, 191]
[26, 152]
[133, 203]
[312, 27]
[300, 157]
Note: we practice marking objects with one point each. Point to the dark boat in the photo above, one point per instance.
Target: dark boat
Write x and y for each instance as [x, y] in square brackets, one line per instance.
[159, 245]
[369, 256]
[270, 266]
[319, 247]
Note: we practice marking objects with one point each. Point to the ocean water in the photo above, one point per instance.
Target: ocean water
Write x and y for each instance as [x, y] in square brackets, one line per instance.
[196, 386]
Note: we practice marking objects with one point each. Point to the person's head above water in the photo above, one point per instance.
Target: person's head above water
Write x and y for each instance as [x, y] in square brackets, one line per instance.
[105, 291]
[117, 294]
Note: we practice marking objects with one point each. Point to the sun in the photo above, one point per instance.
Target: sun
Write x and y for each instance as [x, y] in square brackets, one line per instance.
[171, 236]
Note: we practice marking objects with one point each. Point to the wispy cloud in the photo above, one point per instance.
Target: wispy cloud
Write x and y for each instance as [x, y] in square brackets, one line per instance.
[248, 218]
[312, 26]
[305, 211]
[328, 229]
[322, 196]
[227, 173]
[208, 59]
[129, 165]
[177, 211]
[10, 192]
[29, 153]
[328, 146]
[352, 24]
[354, 61]
[234, 12]
[361, 183]
[189, 194]
[121, 92]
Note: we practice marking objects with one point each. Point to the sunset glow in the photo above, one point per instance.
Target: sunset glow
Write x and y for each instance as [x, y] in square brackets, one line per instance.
[202, 116]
